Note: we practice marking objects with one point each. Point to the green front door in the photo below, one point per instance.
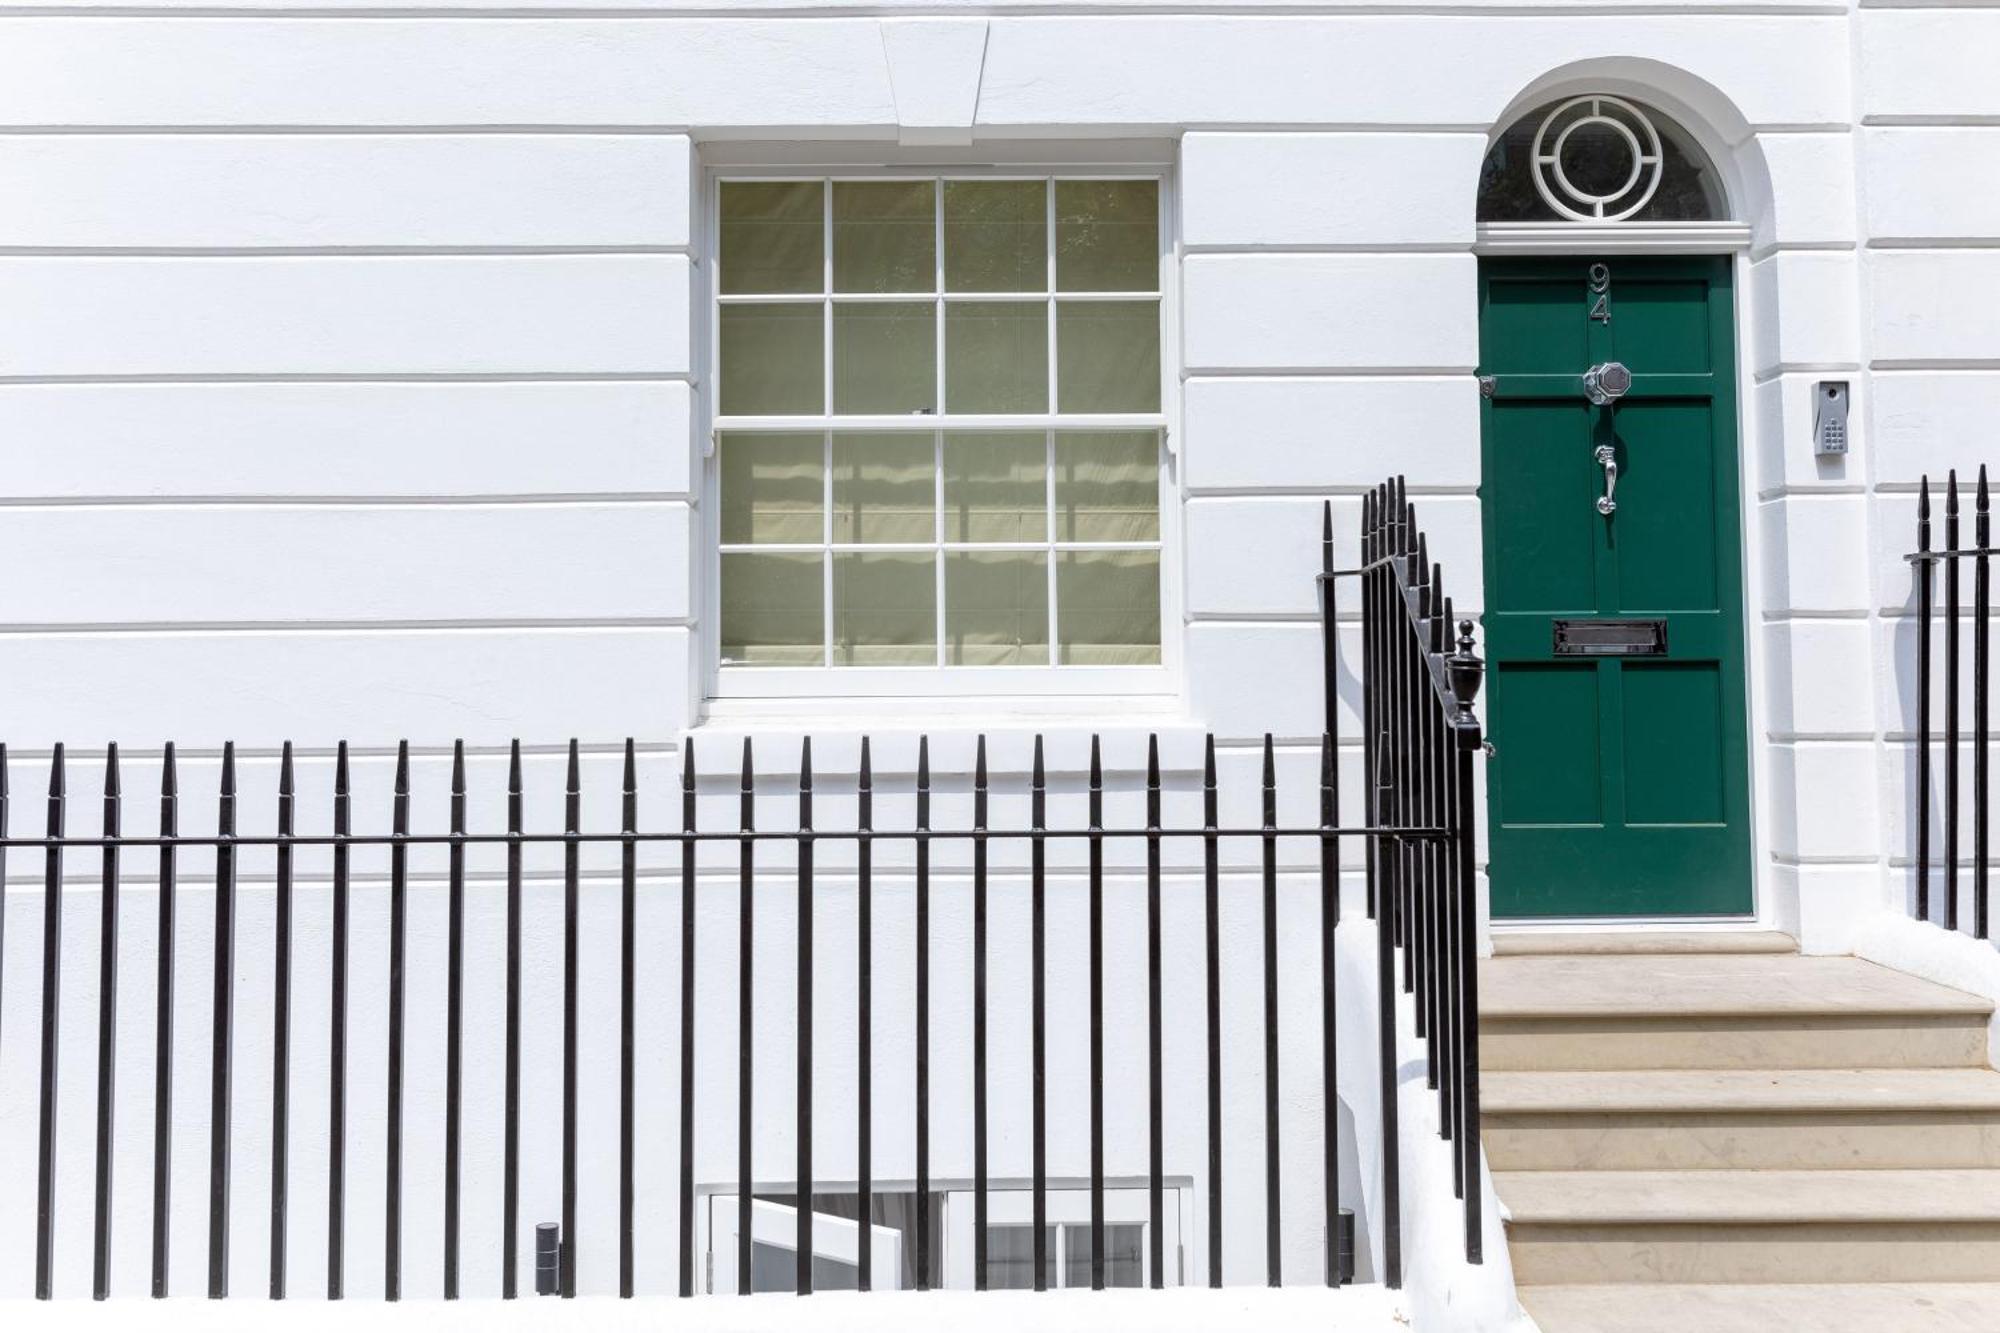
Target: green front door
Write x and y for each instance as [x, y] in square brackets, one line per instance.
[1619, 780]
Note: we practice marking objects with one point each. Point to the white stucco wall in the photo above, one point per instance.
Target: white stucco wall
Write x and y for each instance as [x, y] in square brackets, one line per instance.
[350, 386]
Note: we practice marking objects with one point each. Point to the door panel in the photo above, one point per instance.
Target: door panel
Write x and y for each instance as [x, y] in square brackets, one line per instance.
[1619, 784]
[1568, 757]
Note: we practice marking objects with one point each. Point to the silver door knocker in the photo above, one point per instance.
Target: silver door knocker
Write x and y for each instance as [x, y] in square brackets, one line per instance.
[1607, 458]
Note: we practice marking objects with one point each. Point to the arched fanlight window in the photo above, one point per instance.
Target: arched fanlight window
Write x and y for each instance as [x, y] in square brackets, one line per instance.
[1598, 159]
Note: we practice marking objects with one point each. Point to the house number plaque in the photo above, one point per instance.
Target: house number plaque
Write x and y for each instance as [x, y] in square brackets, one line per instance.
[1611, 638]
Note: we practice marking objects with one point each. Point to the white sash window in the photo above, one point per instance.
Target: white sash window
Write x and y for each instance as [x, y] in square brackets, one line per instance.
[939, 431]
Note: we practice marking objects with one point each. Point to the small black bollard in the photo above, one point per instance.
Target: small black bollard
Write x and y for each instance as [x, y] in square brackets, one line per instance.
[548, 1258]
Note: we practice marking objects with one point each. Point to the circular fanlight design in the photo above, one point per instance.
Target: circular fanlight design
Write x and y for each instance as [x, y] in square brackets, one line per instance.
[1597, 159]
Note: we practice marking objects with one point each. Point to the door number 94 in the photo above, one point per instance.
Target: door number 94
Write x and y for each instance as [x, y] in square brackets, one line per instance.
[1600, 287]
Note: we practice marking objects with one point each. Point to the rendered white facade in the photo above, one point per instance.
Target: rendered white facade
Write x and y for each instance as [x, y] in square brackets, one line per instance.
[352, 384]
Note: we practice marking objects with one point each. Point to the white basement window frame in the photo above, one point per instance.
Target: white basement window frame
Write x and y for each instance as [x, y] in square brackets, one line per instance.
[1056, 429]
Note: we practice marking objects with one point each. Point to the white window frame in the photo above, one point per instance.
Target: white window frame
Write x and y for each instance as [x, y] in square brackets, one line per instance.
[726, 685]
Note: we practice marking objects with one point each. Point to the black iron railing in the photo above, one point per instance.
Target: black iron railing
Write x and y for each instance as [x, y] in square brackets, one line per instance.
[1419, 740]
[1923, 564]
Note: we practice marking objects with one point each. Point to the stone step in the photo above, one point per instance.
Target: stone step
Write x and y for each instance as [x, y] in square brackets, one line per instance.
[1885, 1307]
[1554, 944]
[1720, 1011]
[1759, 1119]
[1588, 1227]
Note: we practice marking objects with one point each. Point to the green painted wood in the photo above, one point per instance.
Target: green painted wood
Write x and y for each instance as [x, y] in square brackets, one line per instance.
[1618, 786]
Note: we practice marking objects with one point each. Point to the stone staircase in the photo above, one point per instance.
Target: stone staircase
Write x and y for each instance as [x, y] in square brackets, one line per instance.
[1708, 1131]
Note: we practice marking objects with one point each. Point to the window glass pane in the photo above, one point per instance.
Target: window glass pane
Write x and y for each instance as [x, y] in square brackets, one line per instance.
[1124, 1265]
[771, 360]
[884, 488]
[884, 236]
[1107, 236]
[1108, 486]
[1107, 356]
[1597, 160]
[885, 609]
[772, 488]
[1010, 1258]
[996, 236]
[1108, 608]
[996, 356]
[773, 234]
[996, 608]
[773, 609]
[996, 487]
[885, 357]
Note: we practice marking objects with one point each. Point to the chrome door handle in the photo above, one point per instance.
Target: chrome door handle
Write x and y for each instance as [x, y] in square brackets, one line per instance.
[1607, 458]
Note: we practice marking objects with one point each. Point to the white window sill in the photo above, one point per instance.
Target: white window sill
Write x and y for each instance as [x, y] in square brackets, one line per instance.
[1066, 724]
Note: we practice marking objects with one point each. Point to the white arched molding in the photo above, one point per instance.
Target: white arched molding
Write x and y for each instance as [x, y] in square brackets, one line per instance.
[1701, 111]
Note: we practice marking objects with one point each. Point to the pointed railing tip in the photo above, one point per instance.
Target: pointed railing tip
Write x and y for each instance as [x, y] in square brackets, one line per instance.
[402, 768]
[285, 783]
[867, 763]
[748, 771]
[111, 786]
[514, 766]
[805, 764]
[979, 759]
[228, 767]
[687, 762]
[575, 775]
[923, 761]
[1208, 762]
[631, 765]
[1153, 760]
[1096, 761]
[1039, 771]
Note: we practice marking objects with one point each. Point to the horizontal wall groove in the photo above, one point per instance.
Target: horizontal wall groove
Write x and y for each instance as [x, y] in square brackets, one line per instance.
[332, 129]
[181, 628]
[1280, 248]
[1925, 243]
[1332, 490]
[469, 500]
[1936, 363]
[1767, 374]
[324, 251]
[1795, 490]
[371, 377]
[1929, 121]
[1811, 614]
[1317, 9]
[1325, 372]
[185, 754]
